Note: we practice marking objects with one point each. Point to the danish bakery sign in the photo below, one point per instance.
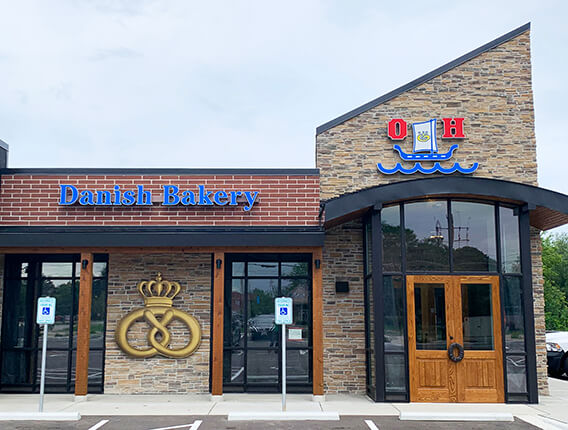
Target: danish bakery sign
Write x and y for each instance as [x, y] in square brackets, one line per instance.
[425, 146]
[171, 196]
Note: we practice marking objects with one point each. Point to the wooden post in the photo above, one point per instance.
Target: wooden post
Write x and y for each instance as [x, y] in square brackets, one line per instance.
[84, 324]
[317, 304]
[218, 305]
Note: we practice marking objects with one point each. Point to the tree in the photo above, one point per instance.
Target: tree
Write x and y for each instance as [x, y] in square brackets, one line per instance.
[555, 272]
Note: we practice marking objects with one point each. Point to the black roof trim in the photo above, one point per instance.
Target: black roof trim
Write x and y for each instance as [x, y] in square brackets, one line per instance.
[3, 145]
[346, 204]
[443, 69]
[156, 171]
[117, 236]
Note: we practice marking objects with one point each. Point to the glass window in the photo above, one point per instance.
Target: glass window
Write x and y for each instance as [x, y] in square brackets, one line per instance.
[395, 373]
[57, 270]
[474, 241]
[514, 315]
[294, 269]
[394, 313]
[477, 317]
[50, 275]
[430, 312]
[516, 374]
[390, 226]
[370, 340]
[238, 268]
[426, 231]
[263, 269]
[510, 242]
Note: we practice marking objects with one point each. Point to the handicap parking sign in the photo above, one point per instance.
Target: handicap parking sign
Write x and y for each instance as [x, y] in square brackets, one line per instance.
[283, 310]
[45, 310]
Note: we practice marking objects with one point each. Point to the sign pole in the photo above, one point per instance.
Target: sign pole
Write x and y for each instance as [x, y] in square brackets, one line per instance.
[43, 358]
[283, 367]
[45, 316]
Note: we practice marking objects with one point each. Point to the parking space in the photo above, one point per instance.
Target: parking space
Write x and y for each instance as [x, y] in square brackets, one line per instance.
[221, 423]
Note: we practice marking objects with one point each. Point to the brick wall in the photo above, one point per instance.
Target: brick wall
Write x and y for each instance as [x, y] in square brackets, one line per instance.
[343, 313]
[127, 375]
[282, 200]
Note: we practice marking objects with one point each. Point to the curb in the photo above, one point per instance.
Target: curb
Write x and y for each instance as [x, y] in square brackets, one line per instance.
[40, 416]
[283, 416]
[455, 416]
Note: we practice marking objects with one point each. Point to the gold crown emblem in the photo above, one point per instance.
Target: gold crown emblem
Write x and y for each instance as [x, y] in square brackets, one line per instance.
[158, 292]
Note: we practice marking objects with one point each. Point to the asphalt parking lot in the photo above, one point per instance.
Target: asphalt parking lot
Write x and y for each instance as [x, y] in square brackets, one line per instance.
[221, 423]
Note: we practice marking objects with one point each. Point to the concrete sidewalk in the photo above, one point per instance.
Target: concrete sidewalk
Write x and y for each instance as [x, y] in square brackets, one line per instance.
[550, 413]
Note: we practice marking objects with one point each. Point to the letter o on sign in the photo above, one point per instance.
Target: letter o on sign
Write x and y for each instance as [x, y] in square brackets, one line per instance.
[397, 129]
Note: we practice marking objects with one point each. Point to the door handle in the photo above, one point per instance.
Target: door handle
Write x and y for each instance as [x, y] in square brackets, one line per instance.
[452, 356]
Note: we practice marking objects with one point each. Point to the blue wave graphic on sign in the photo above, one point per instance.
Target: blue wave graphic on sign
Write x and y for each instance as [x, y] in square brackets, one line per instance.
[437, 167]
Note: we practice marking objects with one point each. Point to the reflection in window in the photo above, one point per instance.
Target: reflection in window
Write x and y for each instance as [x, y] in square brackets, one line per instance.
[477, 317]
[474, 241]
[390, 225]
[426, 231]
[516, 374]
[394, 313]
[430, 312]
[510, 245]
[514, 316]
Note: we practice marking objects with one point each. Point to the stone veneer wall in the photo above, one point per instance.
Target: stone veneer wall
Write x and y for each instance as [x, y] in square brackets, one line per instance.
[493, 92]
[539, 316]
[157, 375]
[343, 313]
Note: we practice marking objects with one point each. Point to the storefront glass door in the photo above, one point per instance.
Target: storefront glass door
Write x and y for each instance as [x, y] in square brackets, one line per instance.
[252, 342]
[454, 339]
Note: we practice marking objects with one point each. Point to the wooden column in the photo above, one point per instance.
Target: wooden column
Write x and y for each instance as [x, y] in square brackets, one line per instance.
[217, 323]
[317, 324]
[84, 324]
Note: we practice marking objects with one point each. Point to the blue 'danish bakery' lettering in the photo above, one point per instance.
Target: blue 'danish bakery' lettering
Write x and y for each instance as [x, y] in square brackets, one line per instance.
[172, 196]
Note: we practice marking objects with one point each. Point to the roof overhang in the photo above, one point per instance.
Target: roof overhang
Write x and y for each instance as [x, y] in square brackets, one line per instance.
[548, 209]
[160, 236]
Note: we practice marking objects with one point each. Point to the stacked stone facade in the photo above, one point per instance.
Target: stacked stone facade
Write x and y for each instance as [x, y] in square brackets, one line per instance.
[344, 313]
[128, 375]
[493, 92]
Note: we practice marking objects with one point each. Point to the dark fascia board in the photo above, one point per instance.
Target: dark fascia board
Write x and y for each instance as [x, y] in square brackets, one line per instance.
[159, 236]
[3, 145]
[428, 76]
[157, 171]
[491, 189]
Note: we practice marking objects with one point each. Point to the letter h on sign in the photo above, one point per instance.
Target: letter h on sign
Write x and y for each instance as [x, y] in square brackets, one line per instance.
[453, 128]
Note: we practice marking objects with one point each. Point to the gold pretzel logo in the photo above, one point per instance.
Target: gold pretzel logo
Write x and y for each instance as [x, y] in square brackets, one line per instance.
[158, 297]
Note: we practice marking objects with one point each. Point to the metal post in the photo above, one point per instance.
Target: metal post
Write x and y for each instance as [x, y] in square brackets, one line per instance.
[283, 367]
[43, 358]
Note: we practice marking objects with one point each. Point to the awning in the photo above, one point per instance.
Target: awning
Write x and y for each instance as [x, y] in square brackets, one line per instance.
[548, 209]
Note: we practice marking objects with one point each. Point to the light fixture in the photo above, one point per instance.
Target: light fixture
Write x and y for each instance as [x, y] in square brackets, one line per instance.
[218, 263]
[317, 263]
[84, 264]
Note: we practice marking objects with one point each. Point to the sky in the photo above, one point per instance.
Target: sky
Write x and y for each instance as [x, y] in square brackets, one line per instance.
[143, 83]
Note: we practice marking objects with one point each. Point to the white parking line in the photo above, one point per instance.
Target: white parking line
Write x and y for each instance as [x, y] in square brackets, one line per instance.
[193, 426]
[99, 424]
[371, 425]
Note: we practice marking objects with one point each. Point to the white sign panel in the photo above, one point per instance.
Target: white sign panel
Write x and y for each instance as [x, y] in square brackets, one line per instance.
[295, 334]
[283, 310]
[45, 310]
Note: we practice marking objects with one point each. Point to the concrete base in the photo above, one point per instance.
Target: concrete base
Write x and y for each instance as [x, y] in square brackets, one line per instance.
[283, 416]
[40, 416]
[79, 399]
[320, 399]
[455, 416]
[216, 398]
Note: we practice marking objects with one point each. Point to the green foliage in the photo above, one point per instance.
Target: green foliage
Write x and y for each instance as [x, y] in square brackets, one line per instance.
[555, 271]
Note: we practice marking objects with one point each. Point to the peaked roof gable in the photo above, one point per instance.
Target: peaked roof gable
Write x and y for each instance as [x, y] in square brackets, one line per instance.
[422, 79]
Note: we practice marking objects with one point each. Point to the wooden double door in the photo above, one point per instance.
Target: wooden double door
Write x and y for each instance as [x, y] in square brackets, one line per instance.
[454, 339]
